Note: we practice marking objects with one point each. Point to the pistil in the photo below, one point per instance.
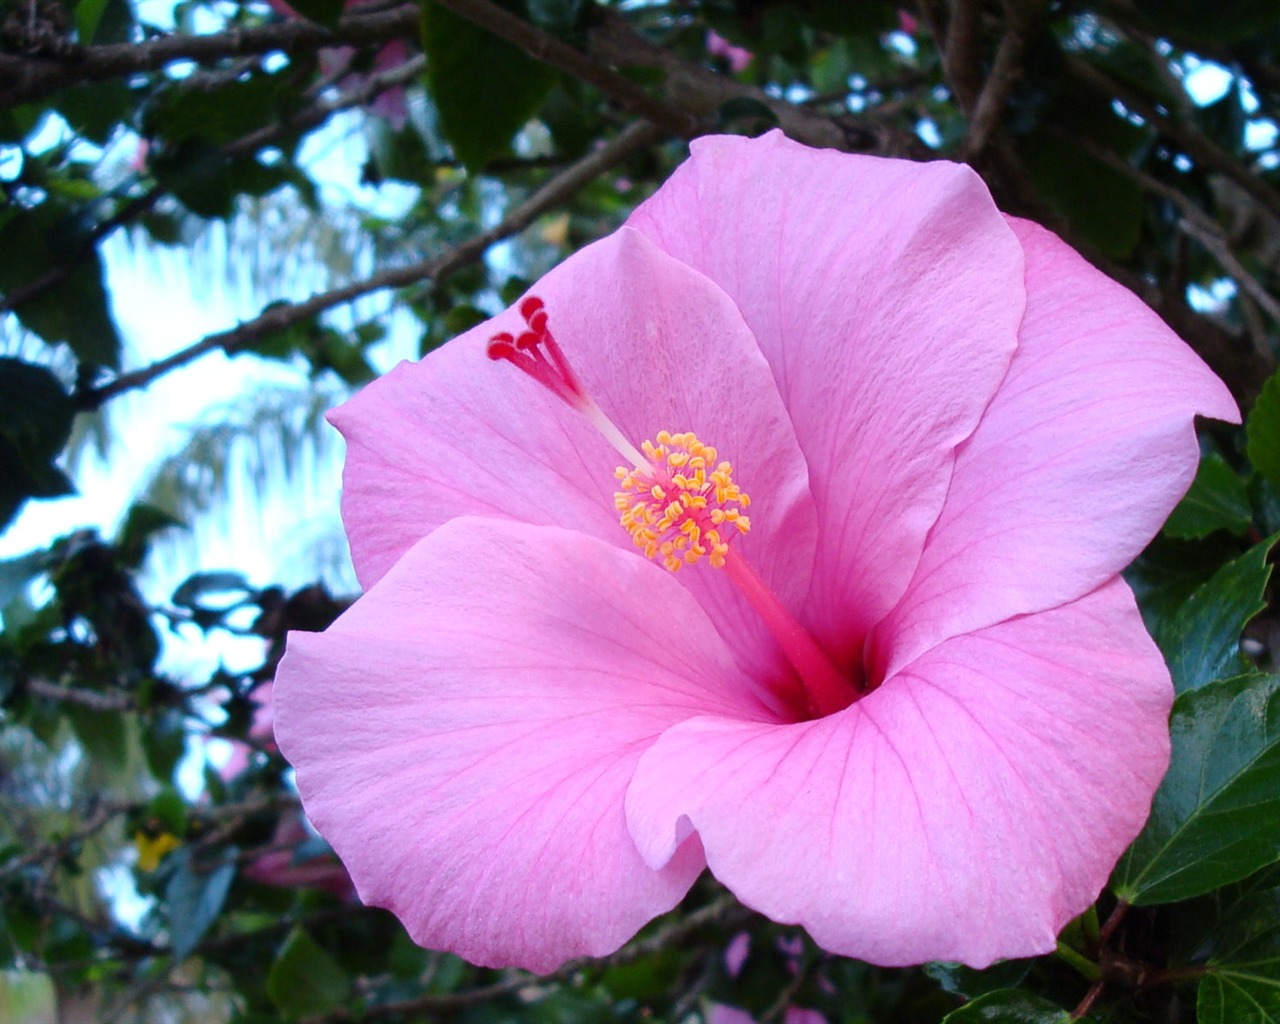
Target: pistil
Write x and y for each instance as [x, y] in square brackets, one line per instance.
[680, 505]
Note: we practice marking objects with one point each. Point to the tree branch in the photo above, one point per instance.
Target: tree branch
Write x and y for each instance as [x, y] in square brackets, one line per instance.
[1005, 73]
[278, 318]
[1200, 148]
[26, 78]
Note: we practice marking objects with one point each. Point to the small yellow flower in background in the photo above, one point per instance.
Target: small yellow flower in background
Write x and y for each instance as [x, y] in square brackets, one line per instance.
[151, 849]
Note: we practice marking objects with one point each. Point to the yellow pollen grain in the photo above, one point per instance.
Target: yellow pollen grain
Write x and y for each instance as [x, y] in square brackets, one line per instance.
[677, 508]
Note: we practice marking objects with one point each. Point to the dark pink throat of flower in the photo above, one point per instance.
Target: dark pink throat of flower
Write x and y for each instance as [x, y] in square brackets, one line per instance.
[681, 506]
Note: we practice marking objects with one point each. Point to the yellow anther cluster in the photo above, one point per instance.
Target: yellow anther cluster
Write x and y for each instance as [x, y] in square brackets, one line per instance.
[682, 506]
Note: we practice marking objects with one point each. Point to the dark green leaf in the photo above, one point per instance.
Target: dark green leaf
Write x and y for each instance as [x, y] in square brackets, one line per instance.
[1218, 500]
[484, 87]
[194, 587]
[1010, 1006]
[141, 524]
[965, 981]
[35, 422]
[1263, 430]
[1242, 985]
[194, 898]
[1216, 816]
[103, 734]
[1201, 640]
[36, 242]
[304, 979]
[326, 12]
[1104, 206]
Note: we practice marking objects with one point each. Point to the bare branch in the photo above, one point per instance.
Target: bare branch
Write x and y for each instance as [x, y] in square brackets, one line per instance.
[961, 56]
[91, 699]
[1005, 73]
[26, 78]
[280, 317]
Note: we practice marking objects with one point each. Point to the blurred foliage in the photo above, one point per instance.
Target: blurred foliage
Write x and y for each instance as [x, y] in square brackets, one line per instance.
[145, 877]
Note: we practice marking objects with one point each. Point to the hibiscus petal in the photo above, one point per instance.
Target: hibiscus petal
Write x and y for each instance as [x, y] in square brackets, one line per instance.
[1085, 449]
[659, 347]
[886, 295]
[966, 810]
[464, 734]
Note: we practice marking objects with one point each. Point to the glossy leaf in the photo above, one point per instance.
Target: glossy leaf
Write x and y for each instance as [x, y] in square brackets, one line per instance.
[1217, 500]
[1216, 816]
[1010, 1006]
[1242, 985]
[1201, 639]
[484, 87]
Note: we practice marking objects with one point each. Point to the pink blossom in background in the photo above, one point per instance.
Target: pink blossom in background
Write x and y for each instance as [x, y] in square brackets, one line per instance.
[718, 1013]
[914, 710]
[390, 104]
[280, 865]
[736, 57]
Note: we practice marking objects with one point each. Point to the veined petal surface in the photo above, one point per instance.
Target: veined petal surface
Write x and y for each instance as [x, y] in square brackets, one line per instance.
[886, 296]
[1082, 454]
[658, 346]
[464, 734]
[965, 810]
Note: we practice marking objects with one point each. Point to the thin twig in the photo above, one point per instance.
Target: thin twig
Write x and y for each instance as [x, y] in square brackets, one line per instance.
[704, 92]
[1199, 147]
[1195, 223]
[278, 318]
[90, 699]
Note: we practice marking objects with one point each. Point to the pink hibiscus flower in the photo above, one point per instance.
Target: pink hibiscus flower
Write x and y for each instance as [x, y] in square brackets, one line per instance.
[914, 710]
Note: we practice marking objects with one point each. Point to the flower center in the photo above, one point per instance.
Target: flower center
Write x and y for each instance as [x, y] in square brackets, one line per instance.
[683, 506]
[680, 505]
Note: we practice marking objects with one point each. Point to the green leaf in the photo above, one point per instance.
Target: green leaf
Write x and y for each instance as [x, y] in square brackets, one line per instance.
[200, 584]
[103, 734]
[194, 899]
[1217, 500]
[484, 88]
[1010, 1006]
[305, 980]
[35, 422]
[1216, 815]
[1242, 983]
[326, 12]
[960, 980]
[1201, 639]
[1263, 430]
[1104, 206]
[140, 525]
[35, 242]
